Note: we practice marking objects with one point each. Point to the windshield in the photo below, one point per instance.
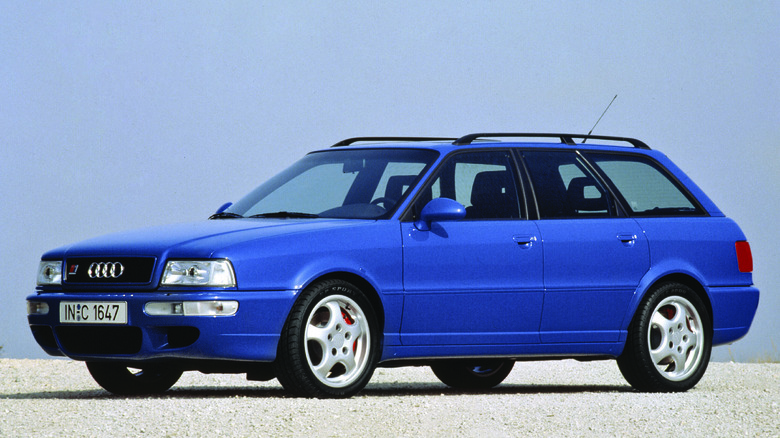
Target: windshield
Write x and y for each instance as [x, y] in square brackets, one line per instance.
[349, 184]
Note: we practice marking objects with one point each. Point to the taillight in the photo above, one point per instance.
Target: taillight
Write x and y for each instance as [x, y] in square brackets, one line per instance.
[744, 256]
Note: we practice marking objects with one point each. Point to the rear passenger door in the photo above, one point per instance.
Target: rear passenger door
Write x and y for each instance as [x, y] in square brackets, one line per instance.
[594, 257]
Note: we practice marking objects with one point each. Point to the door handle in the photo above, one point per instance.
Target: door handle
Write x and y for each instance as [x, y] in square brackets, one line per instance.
[627, 239]
[525, 242]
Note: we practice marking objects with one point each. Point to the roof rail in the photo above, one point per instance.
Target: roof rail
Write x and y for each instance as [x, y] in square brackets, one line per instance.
[349, 141]
[565, 138]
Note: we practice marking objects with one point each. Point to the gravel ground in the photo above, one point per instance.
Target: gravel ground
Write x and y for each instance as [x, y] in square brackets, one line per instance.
[562, 398]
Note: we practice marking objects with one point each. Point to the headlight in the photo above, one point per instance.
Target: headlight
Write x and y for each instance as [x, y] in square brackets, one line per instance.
[50, 272]
[217, 273]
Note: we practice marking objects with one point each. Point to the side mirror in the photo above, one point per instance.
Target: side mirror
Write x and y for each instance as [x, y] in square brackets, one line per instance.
[440, 209]
[224, 207]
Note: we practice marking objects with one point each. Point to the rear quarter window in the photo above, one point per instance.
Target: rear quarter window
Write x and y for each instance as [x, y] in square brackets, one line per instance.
[646, 188]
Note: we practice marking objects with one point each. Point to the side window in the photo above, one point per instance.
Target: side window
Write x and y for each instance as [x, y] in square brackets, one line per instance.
[564, 186]
[484, 182]
[646, 188]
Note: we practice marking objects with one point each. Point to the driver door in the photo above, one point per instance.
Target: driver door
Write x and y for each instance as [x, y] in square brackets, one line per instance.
[479, 280]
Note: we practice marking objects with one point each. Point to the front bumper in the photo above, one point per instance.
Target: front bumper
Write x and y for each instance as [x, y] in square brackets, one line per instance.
[251, 334]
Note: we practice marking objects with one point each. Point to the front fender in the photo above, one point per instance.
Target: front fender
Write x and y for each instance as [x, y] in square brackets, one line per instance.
[390, 300]
[319, 268]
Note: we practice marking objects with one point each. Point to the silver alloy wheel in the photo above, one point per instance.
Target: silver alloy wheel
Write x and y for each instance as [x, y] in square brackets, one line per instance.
[337, 341]
[676, 338]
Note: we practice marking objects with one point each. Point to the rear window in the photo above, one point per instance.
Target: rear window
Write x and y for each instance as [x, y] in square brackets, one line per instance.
[646, 188]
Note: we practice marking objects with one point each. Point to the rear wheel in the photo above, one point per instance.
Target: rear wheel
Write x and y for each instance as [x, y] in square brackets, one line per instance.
[473, 374]
[669, 341]
[120, 380]
[329, 345]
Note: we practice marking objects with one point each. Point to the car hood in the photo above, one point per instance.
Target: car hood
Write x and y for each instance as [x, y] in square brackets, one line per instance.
[193, 240]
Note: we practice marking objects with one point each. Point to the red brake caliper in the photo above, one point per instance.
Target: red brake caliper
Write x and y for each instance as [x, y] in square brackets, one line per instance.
[349, 320]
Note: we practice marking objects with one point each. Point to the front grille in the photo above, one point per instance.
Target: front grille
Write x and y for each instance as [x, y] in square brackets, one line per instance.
[100, 339]
[107, 270]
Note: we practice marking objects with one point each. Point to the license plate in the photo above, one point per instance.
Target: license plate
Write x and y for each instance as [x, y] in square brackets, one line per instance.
[93, 312]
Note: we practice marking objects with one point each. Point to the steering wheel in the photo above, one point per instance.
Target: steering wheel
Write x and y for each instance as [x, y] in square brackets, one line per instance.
[384, 200]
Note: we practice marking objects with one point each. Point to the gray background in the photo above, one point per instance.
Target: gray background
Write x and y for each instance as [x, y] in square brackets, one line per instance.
[118, 115]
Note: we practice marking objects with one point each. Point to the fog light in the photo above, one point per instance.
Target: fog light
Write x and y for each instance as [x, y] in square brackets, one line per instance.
[160, 308]
[37, 308]
[191, 308]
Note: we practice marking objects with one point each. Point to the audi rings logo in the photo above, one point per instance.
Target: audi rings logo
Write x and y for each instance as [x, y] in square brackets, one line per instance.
[105, 270]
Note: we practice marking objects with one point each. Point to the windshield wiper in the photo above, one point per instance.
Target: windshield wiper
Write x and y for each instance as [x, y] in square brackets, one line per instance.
[286, 214]
[225, 215]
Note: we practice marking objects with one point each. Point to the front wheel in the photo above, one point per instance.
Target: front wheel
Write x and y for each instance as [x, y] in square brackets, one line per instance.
[120, 380]
[473, 374]
[329, 345]
[669, 341]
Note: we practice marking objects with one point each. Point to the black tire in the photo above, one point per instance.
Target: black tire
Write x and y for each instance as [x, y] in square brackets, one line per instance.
[473, 374]
[329, 345]
[669, 341]
[120, 380]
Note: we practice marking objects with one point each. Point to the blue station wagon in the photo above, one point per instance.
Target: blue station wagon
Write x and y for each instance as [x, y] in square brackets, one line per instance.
[462, 254]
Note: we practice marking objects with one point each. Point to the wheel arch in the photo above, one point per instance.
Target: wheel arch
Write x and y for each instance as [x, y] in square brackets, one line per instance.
[647, 285]
[365, 286]
[692, 283]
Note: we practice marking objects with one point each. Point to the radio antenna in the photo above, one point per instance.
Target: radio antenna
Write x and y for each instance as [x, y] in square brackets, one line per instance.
[597, 121]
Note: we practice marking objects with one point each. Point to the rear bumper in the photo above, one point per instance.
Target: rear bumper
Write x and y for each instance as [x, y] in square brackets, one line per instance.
[251, 334]
[733, 309]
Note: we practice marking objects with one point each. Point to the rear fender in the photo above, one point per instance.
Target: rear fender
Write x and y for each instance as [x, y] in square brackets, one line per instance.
[678, 270]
